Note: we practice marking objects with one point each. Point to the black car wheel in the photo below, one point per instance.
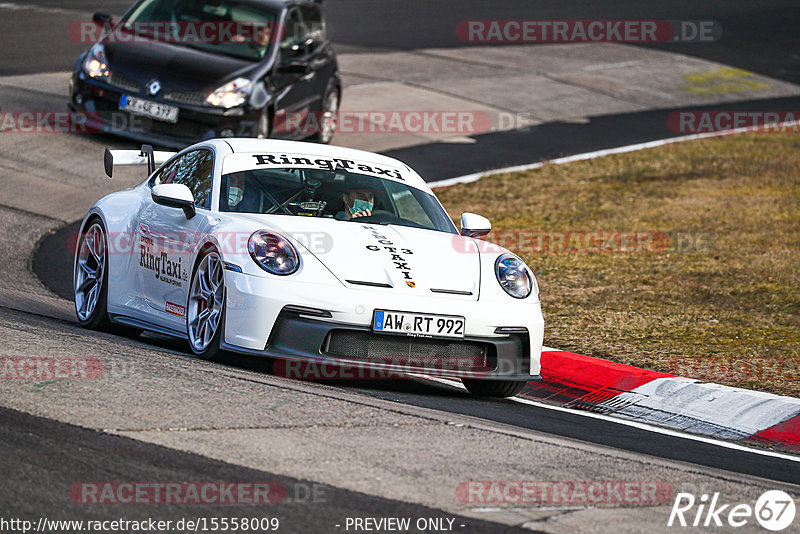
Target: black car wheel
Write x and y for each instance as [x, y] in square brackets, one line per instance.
[493, 388]
[263, 126]
[328, 117]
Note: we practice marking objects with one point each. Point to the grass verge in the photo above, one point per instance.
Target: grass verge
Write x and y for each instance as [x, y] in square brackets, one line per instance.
[683, 258]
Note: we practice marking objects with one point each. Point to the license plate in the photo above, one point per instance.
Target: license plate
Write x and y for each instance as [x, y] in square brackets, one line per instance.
[148, 108]
[418, 324]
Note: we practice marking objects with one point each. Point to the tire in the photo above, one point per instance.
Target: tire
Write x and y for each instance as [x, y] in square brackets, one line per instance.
[205, 307]
[90, 277]
[263, 126]
[494, 388]
[328, 117]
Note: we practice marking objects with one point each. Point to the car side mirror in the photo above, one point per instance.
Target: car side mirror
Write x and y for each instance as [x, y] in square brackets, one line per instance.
[174, 196]
[294, 67]
[473, 225]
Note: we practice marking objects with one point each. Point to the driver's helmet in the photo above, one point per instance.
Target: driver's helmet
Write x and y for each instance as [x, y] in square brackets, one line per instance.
[240, 195]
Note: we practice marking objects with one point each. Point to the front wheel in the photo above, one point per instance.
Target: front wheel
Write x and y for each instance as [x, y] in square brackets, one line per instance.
[493, 388]
[263, 126]
[328, 118]
[205, 309]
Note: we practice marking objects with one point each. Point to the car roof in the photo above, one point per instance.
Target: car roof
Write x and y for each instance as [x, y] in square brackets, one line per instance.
[278, 4]
[250, 145]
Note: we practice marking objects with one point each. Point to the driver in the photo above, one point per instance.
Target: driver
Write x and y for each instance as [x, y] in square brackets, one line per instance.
[241, 197]
[358, 203]
[358, 199]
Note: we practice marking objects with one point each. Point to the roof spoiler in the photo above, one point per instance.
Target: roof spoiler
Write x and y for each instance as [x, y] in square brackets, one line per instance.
[135, 157]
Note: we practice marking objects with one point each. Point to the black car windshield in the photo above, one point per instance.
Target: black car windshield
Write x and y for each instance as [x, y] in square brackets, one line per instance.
[238, 29]
[335, 194]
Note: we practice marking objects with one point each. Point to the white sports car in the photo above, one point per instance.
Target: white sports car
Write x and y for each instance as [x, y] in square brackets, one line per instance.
[311, 254]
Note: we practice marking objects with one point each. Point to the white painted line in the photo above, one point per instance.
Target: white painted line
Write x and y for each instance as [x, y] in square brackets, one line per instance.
[634, 424]
[55, 10]
[468, 178]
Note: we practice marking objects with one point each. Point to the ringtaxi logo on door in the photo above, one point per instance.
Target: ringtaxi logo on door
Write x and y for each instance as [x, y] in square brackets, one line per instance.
[774, 510]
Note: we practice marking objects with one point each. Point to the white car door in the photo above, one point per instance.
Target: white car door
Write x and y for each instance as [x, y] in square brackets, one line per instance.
[168, 239]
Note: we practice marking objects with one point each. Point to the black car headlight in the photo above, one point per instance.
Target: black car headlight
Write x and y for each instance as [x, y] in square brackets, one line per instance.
[231, 94]
[273, 253]
[514, 276]
[95, 64]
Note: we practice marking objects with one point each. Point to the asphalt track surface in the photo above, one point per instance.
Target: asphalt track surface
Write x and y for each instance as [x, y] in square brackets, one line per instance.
[41, 458]
[757, 36]
[760, 37]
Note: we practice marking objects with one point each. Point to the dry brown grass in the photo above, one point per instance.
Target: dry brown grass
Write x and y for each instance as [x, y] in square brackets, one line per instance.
[720, 300]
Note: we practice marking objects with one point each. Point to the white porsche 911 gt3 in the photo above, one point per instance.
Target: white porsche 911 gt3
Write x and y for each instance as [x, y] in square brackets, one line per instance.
[310, 254]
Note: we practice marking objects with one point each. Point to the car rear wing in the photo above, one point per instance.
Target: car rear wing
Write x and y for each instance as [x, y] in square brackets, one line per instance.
[146, 155]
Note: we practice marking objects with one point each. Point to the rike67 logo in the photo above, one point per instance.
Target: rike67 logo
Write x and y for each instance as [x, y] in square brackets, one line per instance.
[774, 510]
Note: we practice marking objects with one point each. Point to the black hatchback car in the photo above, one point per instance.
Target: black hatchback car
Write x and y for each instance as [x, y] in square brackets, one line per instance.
[174, 72]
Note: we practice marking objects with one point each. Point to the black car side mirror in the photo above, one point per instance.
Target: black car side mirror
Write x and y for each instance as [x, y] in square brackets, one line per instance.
[294, 67]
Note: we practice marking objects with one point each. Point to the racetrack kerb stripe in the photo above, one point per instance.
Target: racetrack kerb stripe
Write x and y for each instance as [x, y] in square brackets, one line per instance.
[784, 435]
[621, 390]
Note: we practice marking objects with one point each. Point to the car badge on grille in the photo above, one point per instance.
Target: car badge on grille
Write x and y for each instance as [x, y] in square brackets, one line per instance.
[410, 284]
[154, 87]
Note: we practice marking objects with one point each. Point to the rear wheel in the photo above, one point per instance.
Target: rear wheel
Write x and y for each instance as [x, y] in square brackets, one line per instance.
[205, 309]
[493, 388]
[91, 278]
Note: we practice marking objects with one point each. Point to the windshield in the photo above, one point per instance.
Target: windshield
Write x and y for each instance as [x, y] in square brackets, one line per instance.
[332, 194]
[227, 27]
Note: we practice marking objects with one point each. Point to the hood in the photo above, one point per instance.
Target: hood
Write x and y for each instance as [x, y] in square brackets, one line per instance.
[176, 67]
[370, 256]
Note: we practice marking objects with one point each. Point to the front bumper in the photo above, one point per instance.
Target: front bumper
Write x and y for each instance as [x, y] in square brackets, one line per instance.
[266, 317]
[310, 348]
[99, 102]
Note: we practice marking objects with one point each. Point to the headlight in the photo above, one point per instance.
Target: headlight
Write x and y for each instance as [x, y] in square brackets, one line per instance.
[273, 253]
[231, 94]
[95, 63]
[514, 276]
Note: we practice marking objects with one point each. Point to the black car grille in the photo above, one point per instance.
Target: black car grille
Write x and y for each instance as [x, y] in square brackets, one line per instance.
[123, 82]
[408, 352]
[190, 98]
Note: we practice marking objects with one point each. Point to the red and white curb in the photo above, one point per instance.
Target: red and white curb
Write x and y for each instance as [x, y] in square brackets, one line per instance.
[656, 400]
[683, 404]
[663, 403]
